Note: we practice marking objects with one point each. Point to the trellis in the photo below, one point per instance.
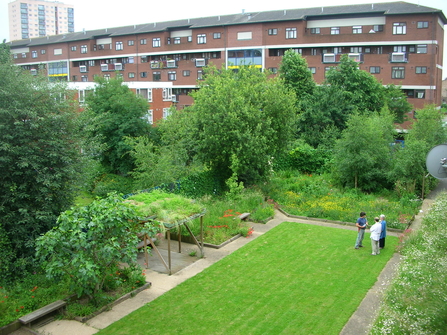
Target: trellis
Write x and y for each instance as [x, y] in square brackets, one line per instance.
[168, 227]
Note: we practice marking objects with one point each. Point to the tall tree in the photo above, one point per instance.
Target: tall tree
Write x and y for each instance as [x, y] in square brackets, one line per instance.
[361, 88]
[296, 75]
[114, 112]
[323, 116]
[362, 156]
[39, 157]
[241, 120]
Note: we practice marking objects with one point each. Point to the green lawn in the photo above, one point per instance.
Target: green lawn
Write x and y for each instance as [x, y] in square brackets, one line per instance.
[295, 279]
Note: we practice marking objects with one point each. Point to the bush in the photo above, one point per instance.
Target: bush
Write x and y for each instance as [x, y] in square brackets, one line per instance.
[108, 183]
[415, 301]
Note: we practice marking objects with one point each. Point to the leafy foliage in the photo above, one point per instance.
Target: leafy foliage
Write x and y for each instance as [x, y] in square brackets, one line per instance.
[410, 168]
[360, 87]
[397, 102]
[415, 301]
[323, 116]
[244, 114]
[362, 157]
[39, 159]
[113, 113]
[296, 75]
[90, 240]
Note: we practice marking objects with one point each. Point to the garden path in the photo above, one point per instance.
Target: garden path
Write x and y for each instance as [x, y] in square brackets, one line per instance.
[187, 266]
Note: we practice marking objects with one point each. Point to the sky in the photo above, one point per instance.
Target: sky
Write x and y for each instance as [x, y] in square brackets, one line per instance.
[91, 14]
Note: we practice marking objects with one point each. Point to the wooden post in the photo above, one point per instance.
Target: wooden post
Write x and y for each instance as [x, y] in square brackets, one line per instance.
[179, 234]
[169, 250]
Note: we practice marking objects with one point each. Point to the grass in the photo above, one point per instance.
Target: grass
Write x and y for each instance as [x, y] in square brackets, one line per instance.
[295, 279]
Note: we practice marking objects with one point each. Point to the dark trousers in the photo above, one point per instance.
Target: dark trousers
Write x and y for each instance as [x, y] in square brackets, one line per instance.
[382, 243]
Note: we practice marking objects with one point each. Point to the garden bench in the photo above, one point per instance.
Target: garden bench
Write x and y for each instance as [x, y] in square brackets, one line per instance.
[37, 314]
[244, 216]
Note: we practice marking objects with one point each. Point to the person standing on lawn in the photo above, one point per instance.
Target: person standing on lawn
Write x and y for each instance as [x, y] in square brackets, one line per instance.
[361, 224]
[375, 230]
[383, 233]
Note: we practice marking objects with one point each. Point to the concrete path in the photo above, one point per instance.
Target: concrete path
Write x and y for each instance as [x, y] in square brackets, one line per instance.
[185, 266]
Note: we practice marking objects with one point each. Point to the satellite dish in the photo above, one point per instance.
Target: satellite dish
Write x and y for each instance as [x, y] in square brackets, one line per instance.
[437, 161]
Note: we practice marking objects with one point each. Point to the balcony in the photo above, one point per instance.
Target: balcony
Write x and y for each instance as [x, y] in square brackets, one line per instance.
[398, 57]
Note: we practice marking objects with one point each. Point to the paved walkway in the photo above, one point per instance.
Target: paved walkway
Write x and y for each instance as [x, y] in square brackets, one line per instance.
[189, 266]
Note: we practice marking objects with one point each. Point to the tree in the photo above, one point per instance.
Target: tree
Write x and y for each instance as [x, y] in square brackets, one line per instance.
[296, 75]
[113, 113]
[323, 116]
[361, 88]
[362, 156]
[88, 241]
[241, 115]
[397, 102]
[40, 158]
[410, 167]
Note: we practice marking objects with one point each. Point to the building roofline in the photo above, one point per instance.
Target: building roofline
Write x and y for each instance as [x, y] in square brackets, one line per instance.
[315, 13]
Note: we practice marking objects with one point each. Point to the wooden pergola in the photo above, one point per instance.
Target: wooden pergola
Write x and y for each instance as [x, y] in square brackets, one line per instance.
[168, 227]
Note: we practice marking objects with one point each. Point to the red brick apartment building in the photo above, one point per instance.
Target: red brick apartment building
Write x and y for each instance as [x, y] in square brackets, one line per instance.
[398, 42]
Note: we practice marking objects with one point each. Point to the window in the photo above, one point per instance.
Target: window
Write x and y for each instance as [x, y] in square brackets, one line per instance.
[43, 52]
[177, 40]
[421, 48]
[156, 42]
[290, 33]
[244, 35]
[201, 39]
[313, 70]
[400, 48]
[398, 72]
[421, 69]
[367, 50]
[273, 70]
[156, 76]
[143, 41]
[199, 74]
[143, 74]
[172, 75]
[57, 52]
[131, 74]
[419, 94]
[84, 78]
[91, 63]
[33, 54]
[167, 94]
[399, 28]
[166, 112]
[189, 38]
[378, 27]
[107, 77]
[357, 29]
[314, 30]
[374, 69]
[273, 31]
[186, 73]
[73, 48]
[82, 68]
[74, 78]
[118, 45]
[335, 30]
[216, 36]
[356, 50]
[149, 116]
[313, 52]
[144, 59]
[422, 24]
[130, 43]
[83, 49]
